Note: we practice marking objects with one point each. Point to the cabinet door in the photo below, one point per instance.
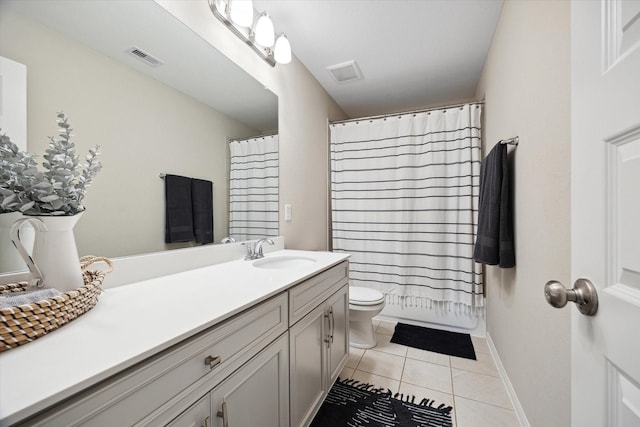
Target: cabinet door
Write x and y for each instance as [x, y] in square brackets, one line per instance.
[338, 308]
[307, 360]
[198, 415]
[258, 393]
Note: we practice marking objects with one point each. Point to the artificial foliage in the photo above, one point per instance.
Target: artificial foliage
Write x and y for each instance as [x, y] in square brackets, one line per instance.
[59, 189]
[13, 164]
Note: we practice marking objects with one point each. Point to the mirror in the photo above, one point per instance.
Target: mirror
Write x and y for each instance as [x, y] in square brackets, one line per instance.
[167, 108]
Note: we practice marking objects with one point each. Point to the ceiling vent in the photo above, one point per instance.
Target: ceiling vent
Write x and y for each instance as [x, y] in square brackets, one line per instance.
[145, 57]
[345, 72]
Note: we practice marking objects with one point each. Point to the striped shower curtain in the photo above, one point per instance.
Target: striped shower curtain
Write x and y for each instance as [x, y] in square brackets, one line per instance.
[404, 195]
[253, 188]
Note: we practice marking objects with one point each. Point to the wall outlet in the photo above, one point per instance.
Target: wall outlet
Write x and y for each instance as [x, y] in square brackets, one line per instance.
[287, 212]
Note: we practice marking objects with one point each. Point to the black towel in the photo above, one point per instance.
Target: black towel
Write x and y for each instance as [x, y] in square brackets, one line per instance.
[179, 217]
[494, 243]
[202, 202]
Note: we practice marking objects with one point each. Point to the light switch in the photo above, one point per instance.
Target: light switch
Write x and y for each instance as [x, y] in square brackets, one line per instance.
[287, 212]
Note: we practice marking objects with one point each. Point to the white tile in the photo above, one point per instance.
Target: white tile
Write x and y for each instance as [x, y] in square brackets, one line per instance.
[386, 327]
[346, 373]
[377, 380]
[426, 393]
[384, 364]
[480, 345]
[428, 356]
[483, 388]
[355, 354]
[484, 364]
[470, 413]
[385, 345]
[428, 375]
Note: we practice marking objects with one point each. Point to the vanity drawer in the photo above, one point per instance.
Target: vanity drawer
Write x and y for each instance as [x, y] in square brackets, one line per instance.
[305, 297]
[213, 354]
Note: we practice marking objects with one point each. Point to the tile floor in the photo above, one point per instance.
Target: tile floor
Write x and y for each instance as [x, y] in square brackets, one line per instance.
[472, 387]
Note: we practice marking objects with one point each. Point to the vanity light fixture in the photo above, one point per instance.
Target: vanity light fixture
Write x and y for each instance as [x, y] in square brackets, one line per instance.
[258, 33]
[264, 31]
[241, 12]
[282, 50]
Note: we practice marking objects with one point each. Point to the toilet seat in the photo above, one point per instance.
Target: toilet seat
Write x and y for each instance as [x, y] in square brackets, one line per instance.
[359, 295]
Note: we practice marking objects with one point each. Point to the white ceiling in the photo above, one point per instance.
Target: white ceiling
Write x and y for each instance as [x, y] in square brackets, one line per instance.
[412, 53]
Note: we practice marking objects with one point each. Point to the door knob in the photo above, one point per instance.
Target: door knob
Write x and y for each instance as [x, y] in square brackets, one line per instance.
[584, 294]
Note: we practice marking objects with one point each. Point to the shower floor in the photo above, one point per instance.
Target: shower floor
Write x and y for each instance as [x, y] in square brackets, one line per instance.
[472, 387]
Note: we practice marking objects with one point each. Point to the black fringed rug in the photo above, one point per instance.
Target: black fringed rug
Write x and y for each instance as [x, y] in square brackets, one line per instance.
[353, 404]
[444, 342]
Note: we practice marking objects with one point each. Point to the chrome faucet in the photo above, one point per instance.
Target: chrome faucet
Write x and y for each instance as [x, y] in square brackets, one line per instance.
[254, 248]
[228, 239]
[258, 251]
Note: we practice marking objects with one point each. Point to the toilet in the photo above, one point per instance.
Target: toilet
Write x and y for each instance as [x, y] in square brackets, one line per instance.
[364, 304]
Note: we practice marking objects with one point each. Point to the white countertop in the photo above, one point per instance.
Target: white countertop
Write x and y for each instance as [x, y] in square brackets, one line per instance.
[132, 322]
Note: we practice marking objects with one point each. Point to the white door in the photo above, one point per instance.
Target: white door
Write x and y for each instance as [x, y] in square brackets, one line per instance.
[605, 217]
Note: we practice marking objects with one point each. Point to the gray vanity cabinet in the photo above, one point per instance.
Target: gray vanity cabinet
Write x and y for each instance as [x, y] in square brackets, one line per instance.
[258, 393]
[318, 340]
[338, 347]
[307, 361]
[270, 365]
[160, 389]
[198, 414]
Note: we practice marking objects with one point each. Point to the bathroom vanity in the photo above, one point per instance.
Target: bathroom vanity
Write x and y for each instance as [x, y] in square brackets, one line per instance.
[232, 344]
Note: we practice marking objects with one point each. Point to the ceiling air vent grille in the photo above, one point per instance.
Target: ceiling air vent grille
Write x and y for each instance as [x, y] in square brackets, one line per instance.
[145, 57]
[345, 72]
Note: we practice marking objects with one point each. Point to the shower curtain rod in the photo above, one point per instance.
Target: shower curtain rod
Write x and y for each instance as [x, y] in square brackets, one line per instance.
[262, 135]
[402, 113]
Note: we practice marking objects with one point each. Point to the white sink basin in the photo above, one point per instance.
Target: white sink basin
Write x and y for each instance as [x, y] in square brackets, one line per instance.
[284, 262]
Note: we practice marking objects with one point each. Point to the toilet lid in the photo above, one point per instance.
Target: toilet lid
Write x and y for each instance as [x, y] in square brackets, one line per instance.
[364, 296]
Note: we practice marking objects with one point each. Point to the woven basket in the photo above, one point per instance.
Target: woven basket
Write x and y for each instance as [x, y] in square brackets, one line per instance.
[25, 323]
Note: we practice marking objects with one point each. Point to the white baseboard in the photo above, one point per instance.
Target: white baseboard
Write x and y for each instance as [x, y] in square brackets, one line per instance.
[517, 407]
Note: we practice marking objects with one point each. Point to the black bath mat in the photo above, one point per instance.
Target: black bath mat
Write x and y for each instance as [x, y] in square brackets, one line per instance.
[350, 403]
[445, 342]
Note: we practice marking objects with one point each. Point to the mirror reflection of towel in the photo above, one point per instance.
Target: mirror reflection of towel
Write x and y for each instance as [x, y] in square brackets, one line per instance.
[202, 205]
[494, 243]
[179, 216]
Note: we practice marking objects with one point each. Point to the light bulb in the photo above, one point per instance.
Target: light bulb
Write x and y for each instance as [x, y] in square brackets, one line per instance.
[241, 12]
[282, 50]
[264, 32]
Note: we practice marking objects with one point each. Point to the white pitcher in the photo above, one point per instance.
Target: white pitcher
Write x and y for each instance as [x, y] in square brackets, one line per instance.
[54, 262]
[10, 259]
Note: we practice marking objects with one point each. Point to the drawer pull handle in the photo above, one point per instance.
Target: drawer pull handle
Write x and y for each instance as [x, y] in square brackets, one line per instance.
[327, 339]
[212, 361]
[223, 414]
[207, 422]
[332, 323]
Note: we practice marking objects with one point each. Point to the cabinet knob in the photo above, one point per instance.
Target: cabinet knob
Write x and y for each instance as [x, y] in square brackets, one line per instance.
[212, 361]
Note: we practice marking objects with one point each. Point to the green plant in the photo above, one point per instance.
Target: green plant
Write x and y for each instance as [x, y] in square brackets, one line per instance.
[61, 188]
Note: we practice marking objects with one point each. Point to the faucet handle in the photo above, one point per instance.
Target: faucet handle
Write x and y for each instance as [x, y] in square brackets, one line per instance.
[251, 250]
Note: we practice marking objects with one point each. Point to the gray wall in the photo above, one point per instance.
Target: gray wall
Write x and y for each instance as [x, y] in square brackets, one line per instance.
[525, 83]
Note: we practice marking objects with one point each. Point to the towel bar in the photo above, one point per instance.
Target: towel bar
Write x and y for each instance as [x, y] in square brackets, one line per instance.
[511, 141]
